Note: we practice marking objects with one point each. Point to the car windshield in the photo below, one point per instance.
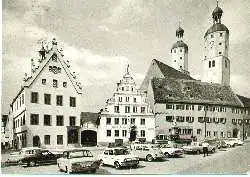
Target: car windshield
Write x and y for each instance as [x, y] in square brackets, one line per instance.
[78, 154]
[121, 152]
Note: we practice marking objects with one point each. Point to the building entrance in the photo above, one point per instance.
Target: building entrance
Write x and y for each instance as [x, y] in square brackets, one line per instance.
[89, 138]
[36, 141]
[235, 133]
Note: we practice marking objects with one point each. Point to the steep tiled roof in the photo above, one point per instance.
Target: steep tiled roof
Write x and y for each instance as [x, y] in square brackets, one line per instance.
[192, 91]
[244, 100]
[170, 72]
[89, 117]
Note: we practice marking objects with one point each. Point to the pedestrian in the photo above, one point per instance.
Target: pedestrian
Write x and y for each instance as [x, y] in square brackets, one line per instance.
[205, 148]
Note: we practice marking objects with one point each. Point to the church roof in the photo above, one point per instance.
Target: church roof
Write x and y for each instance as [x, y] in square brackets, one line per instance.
[192, 91]
[216, 27]
[244, 100]
[180, 44]
[170, 72]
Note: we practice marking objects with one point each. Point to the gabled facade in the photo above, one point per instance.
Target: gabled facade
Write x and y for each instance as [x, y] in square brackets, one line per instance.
[127, 108]
[46, 111]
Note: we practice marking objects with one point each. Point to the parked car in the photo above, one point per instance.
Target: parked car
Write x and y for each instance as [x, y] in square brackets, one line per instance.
[15, 157]
[212, 145]
[148, 152]
[119, 157]
[40, 157]
[78, 160]
[237, 141]
[230, 143]
[170, 151]
[194, 147]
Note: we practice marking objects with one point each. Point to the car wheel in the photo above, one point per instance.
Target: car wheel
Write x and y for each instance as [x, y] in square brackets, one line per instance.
[229, 145]
[149, 158]
[167, 154]
[31, 163]
[198, 152]
[59, 167]
[213, 150]
[101, 163]
[117, 165]
[67, 170]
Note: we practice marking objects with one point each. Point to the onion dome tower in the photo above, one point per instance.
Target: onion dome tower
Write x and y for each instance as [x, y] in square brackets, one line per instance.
[179, 53]
[216, 64]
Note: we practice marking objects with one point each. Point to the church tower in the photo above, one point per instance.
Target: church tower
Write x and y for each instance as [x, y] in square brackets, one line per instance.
[216, 65]
[179, 53]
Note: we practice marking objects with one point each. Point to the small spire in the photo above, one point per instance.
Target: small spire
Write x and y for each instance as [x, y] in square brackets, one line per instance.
[217, 2]
[127, 69]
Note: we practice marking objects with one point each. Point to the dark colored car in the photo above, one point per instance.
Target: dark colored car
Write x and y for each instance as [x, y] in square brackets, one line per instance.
[41, 157]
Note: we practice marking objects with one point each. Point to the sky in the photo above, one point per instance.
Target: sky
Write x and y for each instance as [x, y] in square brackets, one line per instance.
[100, 37]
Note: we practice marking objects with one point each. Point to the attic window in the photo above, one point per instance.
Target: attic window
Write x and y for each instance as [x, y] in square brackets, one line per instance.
[220, 43]
[65, 84]
[219, 52]
[54, 57]
[44, 81]
[221, 34]
[180, 57]
[180, 50]
[212, 36]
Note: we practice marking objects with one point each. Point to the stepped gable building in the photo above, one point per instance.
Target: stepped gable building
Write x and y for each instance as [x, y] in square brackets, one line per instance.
[195, 109]
[126, 109]
[46, 111]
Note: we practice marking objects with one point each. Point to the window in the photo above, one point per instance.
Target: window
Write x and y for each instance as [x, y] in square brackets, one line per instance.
[44, 81]
[124, 121]
[20, 101]
[127, 99]
[221, 34]
[180, 57]
[72, 121]
[108, 120]
[117, 109]
[108, 132]
[59, 139]
[220, 52]
[116, 133]
[215, 133]
[174, 50]
[213, 63]
[72, 102]
[142, 121]
[134, 108]
[134, 100]
[22, 98]
[132, 121]
[47, 120]
[169, 106]
[64, 84]
[212, 36]
[169, 118]
[198, 131]
[127, 109]
[120, 99]
[209, 64]
[59, 121]
[46, 139]
[199, 107]
[225, 63]
[222, 134]
[229, 134]
[47, 98]
[34, 119]
[23, 119]
[34, 97]
[122, 88]
[55, 83]
[116, 121]
[124, 133]
[180, 50]
[59, 100]
[208, 133]
[142, 109]
[220, 43]
[142, 133]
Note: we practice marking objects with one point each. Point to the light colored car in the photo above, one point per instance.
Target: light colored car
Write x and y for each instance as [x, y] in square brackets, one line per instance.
[78, 160]
[148, 152]
[230, 143]
[15, 157]
[119, 157]
[236, 140]
[194, 147]
[170, 151]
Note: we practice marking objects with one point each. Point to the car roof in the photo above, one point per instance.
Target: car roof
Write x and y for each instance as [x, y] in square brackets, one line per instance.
[75, 150]
[114, 148]
[31, 148]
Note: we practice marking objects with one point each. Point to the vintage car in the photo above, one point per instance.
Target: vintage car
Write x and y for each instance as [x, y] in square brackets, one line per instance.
[78, 160]
[237, 141]
[119, 157]
[15, 157]
[230, 143]
[40, 157]
[194, 147]
[170, 151]
[147, 152]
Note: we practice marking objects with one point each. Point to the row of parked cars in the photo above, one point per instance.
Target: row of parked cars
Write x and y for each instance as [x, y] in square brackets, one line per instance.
[82, 160]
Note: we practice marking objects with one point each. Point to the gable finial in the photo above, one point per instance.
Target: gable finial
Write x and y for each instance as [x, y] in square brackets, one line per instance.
[127, 68]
